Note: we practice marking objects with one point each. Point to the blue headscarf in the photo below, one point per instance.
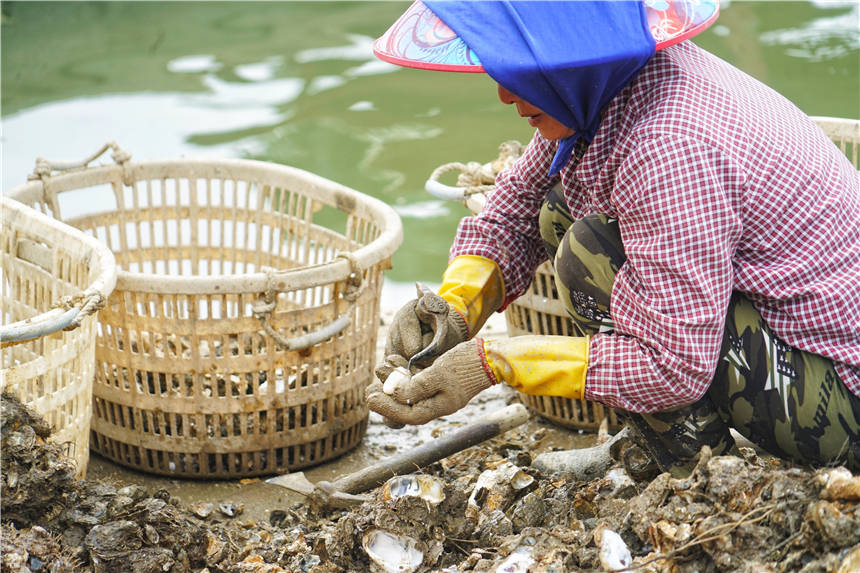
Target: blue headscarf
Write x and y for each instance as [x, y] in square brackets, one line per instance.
[567, 58]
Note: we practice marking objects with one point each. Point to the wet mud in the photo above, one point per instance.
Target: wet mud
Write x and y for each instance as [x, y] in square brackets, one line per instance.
[483, 509]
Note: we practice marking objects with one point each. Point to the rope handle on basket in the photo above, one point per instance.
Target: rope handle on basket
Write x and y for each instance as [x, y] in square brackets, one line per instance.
[265, 306]
[474, 177]
[44, 168]
[67, 314]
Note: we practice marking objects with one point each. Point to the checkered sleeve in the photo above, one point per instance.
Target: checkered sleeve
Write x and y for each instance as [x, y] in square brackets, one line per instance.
[679, 228]
[507, 229]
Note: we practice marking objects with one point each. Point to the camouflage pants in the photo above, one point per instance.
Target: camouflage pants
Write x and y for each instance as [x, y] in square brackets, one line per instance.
[789, 402]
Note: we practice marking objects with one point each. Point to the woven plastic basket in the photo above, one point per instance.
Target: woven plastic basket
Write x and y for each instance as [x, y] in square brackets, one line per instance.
[242, 331]
[845, 133]
[539, 310]
[53, 279]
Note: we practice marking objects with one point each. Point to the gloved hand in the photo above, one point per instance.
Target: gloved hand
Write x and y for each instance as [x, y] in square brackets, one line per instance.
[414, 330]
[442, 388]
[410, 333]
[473, 288]
[533, 364]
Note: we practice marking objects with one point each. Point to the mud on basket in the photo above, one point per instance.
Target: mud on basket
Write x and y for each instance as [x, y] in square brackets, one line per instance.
[54, 278]
[242, 331]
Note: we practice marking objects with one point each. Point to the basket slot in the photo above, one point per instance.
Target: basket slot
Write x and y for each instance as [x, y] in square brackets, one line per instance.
[222, 431]
[162, 246]
[845, 133]
[28, 290]
[263, 461]
[541, 311]
[36, 253]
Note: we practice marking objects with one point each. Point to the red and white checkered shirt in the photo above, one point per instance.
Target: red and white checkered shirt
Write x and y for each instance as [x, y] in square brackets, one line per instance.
[718, 183]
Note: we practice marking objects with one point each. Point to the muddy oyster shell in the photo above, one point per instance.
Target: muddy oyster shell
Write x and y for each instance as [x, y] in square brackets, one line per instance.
[392, 553]
[230, 509]
[495, 488]
[202, 509]
[665, 535]
[839, 483]
[518, 561]
[428, 488]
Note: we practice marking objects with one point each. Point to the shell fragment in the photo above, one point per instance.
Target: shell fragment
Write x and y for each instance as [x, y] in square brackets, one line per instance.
[397, 377]
[392, 553]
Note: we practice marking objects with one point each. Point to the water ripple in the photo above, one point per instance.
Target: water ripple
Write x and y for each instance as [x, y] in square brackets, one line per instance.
[822, 39]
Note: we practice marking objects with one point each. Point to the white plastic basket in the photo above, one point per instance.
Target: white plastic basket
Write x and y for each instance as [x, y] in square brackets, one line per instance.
[242, 331]
[54, 278]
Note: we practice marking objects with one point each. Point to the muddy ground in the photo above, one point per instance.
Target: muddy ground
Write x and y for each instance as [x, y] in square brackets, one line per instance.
[483, 509]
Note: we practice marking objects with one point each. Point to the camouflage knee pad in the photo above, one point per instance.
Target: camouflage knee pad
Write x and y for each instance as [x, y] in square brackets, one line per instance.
[789, 402]
[586, 255]
[554, 220]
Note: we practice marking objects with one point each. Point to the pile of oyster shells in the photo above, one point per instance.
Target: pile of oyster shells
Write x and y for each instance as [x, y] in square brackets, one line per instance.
[484, 509]
[732, 514]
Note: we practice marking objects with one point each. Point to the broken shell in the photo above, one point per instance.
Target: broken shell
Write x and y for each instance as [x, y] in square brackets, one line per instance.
[216, 548]
[113, 537]
[851, 562]
[521, 480]
[619, 480]
[12, 479]
[135, 492]
[831, 522]
[665, 536]
[426, 487]
[518, 561]
[613, 554]
[839, 483]
[151, 534]
[203, 509]
[494, 528]
[25, 438]
[392, 553]
[528, 512]
[496, 487]
[230, 509]
[397, 376]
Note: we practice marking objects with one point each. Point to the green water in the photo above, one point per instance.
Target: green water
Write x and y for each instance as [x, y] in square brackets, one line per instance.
[296, 83]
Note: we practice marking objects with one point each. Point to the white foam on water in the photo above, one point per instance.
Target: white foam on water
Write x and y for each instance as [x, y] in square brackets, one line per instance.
[194, 64]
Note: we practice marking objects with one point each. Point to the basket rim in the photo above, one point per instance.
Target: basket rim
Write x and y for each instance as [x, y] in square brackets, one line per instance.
[17, 215]
[380, 248]
[839, 126]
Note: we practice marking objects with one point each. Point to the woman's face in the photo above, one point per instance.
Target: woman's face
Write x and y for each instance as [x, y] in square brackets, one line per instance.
[548, 126]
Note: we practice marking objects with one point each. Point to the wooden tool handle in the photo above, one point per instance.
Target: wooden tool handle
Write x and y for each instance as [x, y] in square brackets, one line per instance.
[407, 462]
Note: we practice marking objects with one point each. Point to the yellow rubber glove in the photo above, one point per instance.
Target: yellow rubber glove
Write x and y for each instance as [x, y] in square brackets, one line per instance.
[540, 365]
[474, 287]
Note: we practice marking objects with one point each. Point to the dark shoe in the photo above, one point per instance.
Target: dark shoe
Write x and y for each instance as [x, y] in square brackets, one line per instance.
[638, 464]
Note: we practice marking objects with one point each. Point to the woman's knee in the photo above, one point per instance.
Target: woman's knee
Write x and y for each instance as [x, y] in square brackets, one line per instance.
[554, 220]
[590, 254]
[587, 260]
